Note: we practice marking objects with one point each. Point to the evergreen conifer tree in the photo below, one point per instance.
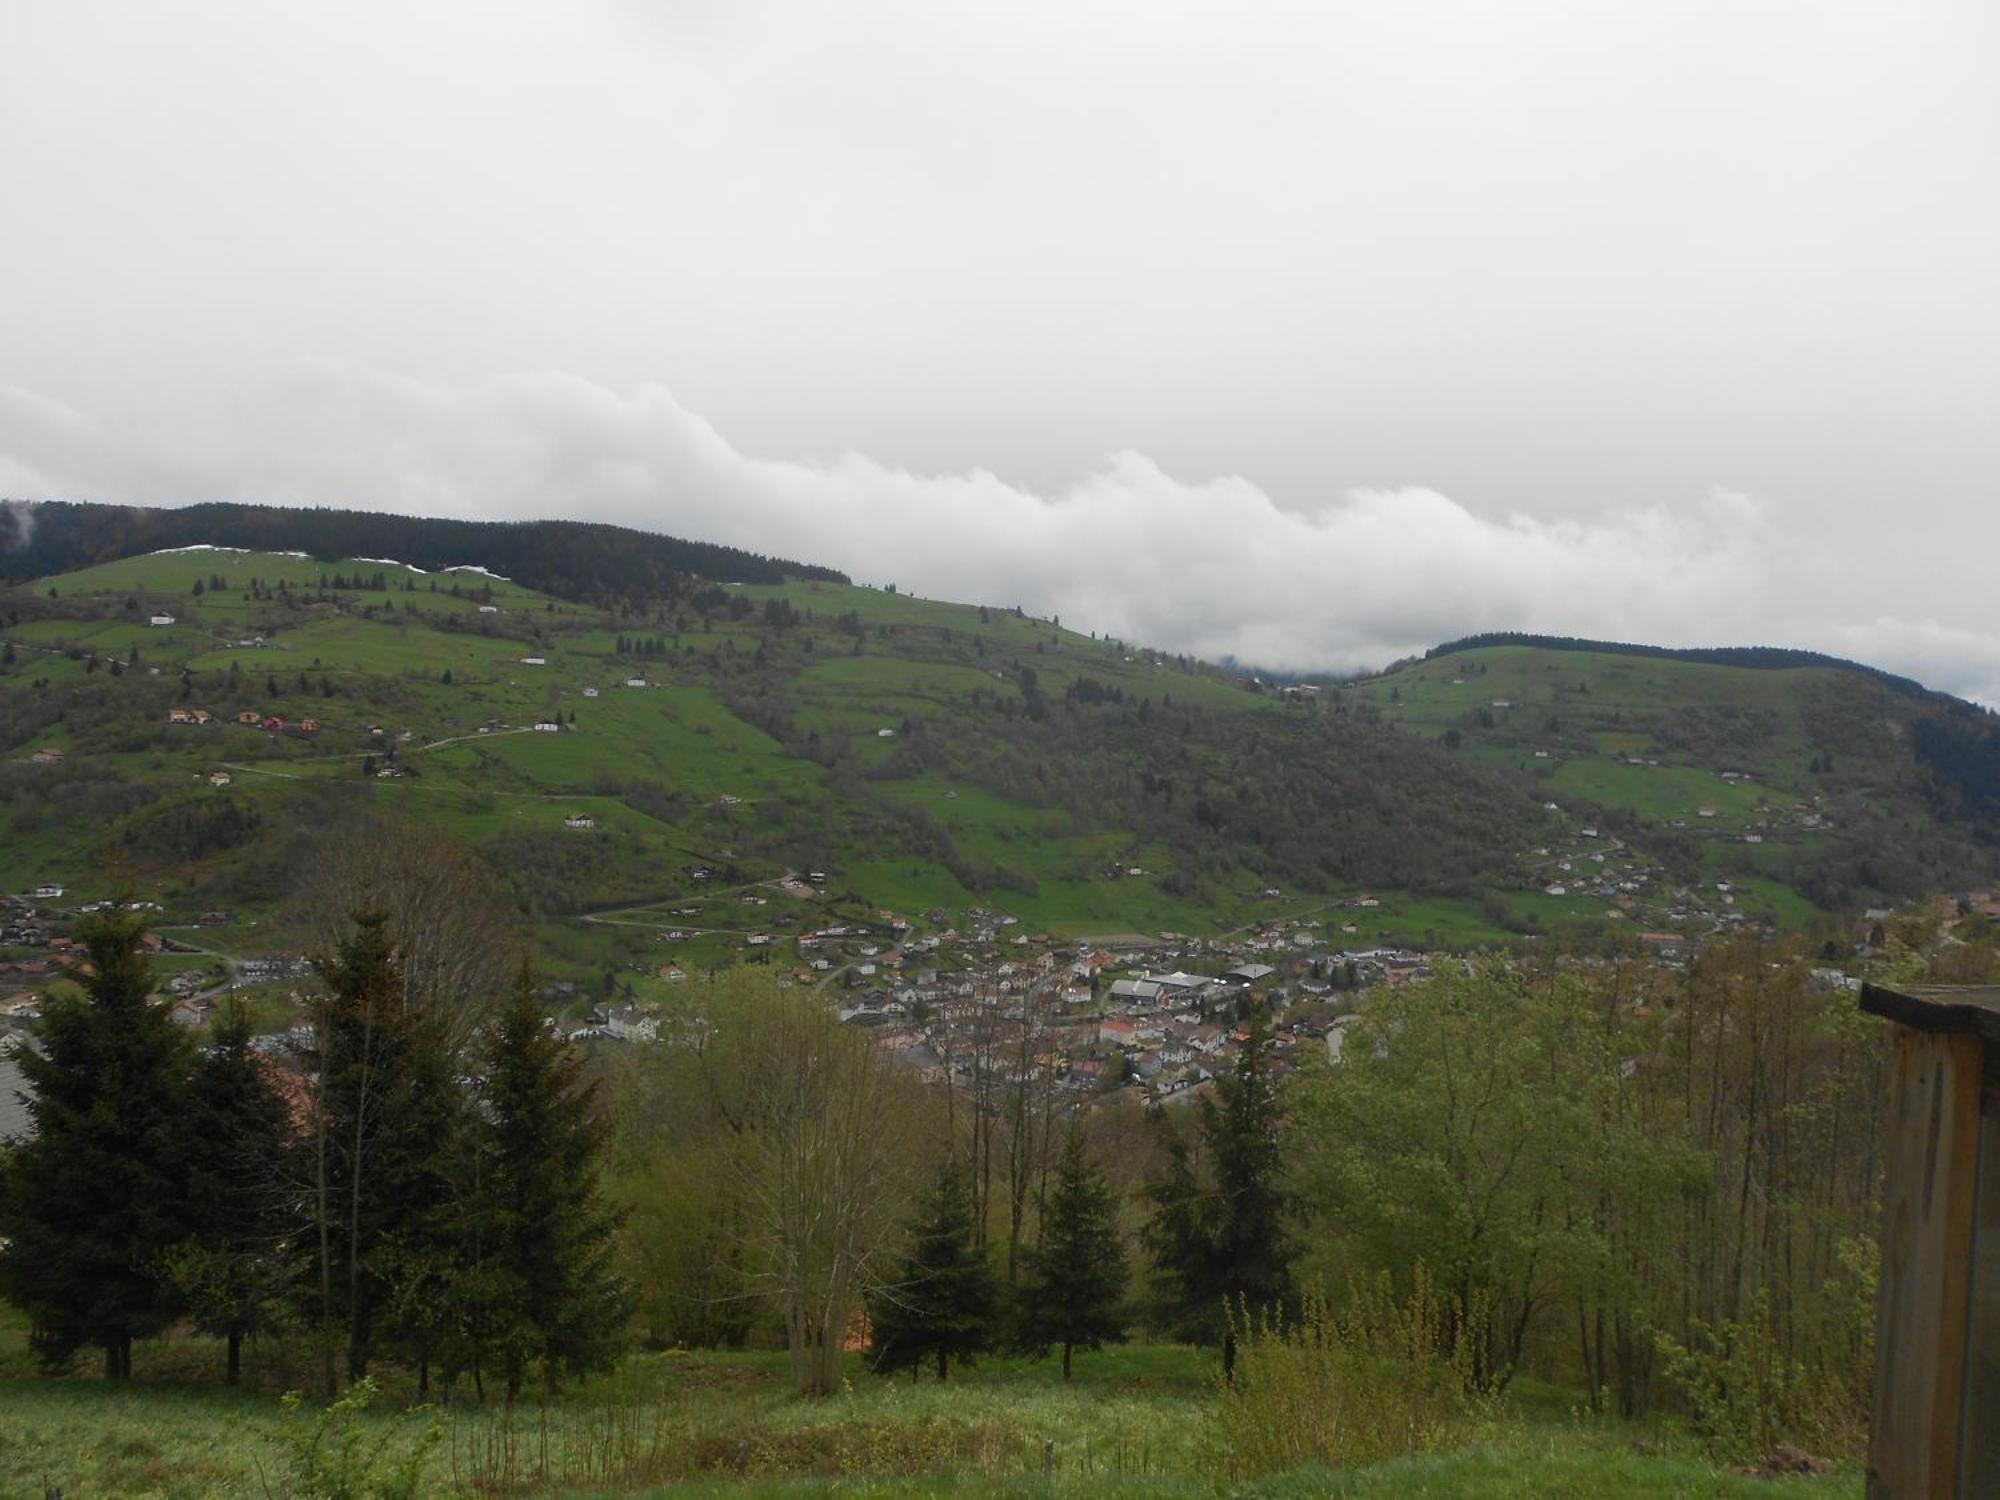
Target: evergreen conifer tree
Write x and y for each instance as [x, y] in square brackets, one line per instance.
[1074, 1290]
[94, 1197]
[942, 1305]
[231, 1268]
[1222, 1243]
[385, 1126]
[546, 1234]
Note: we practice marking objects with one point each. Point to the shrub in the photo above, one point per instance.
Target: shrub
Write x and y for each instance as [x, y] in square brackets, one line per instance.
[1743, 1392]
[1386, 1376]
[335, 1459]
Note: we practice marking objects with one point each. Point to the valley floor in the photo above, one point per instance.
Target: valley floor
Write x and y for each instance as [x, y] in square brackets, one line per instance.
[1135, 1421]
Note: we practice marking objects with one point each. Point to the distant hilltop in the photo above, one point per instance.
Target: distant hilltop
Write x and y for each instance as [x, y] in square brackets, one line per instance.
[580, 560]
[1765, 658]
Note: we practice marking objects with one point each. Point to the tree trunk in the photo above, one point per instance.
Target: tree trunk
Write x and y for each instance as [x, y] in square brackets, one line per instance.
[324, 1213]
[1066, 1349]
[944, 1365]
[235, 1372]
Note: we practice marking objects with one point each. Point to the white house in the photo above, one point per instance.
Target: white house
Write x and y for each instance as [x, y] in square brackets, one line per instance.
[635, 682]
[590, 692]
[534, 661]
[162, 620]
[489, 609]
[579, 820]
[546, 726]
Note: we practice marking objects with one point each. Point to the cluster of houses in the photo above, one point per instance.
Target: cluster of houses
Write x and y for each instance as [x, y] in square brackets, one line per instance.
[1160, 1018]
[37, 947]
[250, 719]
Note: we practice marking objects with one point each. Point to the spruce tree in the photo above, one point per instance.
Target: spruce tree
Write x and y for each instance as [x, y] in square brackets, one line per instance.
[1074, 1291]
[1252, 1243]
[942, 1304]
[545, 1239]
[385, 1125]
[239, 1204]
[94, 1197]
[1221, 1243]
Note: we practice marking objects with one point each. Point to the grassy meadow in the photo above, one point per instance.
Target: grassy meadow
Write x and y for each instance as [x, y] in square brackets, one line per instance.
[1135, 1420]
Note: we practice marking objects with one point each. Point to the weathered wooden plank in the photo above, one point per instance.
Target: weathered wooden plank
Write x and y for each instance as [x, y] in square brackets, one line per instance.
[1920, 1337]
[1938, 1007]
[1979, 1420]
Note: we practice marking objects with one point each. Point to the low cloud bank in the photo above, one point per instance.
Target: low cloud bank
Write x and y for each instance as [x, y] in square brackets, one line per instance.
[1214, 567]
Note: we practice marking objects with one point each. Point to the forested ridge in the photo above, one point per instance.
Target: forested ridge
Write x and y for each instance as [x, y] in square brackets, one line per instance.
[1768, 658]
[581, 560]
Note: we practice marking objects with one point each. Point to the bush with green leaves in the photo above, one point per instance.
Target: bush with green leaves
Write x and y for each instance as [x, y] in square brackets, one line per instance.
[1744, 1394]
[338, 1458]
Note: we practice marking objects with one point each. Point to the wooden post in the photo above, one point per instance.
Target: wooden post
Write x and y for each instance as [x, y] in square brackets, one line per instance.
[1981, 1419]
[1936, 1431]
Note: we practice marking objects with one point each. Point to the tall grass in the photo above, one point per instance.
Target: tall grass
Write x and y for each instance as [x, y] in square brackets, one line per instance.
[663, 1443]
[1384, 1376]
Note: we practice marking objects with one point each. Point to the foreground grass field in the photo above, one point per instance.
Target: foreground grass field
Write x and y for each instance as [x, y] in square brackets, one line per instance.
[1135, 1421]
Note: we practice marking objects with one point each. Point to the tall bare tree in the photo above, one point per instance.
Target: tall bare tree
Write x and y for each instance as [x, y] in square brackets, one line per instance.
[455, 939]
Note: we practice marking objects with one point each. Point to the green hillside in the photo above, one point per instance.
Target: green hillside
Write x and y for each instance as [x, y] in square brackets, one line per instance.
[1821, 778]
[926, 759]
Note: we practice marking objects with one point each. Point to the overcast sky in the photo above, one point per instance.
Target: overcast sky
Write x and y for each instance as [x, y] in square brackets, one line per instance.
[1309, 333]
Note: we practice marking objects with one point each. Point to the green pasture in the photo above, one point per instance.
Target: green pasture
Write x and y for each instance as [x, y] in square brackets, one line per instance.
[1135, 1420]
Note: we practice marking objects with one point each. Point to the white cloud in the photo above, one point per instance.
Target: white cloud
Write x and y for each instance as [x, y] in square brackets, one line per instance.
[1212, 567]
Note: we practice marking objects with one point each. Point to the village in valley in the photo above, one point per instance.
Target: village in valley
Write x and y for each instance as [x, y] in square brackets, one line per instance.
[1098, 1019]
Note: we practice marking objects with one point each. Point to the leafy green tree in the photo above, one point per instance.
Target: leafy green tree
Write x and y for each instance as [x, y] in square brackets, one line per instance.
[547, 1233]
[942, 1305]
[1074, 1291]
[232, 1266]
[1219, 1236]
[94, 1197]
[1487, 1126]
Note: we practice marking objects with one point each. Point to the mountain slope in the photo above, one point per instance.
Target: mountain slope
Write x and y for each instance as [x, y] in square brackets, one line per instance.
[926, 758]
[1845, 783]
[1022, 765]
